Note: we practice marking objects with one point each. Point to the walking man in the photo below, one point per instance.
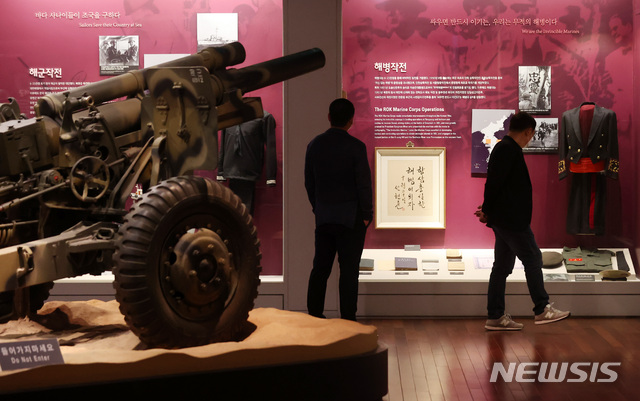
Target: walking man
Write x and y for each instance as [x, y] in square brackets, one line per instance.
[507, 209]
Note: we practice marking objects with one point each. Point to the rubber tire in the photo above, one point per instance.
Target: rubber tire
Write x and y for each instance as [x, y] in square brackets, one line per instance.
[146, 233]
[37, 295]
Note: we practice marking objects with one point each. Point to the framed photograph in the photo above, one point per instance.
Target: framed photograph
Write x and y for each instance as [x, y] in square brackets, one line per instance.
[216, 29]
[545, 140]
[410, 187]
[118, 54]
[534, 89]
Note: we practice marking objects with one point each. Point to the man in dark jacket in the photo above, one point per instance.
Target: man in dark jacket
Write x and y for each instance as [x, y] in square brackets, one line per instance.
[338, 183]
[507, 210]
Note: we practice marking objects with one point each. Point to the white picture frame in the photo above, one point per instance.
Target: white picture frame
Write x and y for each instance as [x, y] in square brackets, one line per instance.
[410, 188]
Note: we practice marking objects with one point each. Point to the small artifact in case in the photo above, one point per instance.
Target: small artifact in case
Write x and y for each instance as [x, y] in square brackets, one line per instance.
[366, 264]
[454, 254]
[614, 275]
[406, 263]
[551, 260]
[556, 277]
[455, 266]
[430, 265]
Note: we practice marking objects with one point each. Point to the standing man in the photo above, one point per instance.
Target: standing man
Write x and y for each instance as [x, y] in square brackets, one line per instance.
[507, 210]
[338, 183]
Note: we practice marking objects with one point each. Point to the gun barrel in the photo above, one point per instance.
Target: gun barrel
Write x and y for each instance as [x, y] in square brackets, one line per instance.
[267, 73]
[133, 82]
[214, 59]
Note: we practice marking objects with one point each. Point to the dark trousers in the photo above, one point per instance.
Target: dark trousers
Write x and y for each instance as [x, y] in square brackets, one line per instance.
[510, 244]
[245, 189]
[348, 244]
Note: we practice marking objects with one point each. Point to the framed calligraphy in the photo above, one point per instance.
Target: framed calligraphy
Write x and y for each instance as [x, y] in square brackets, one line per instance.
[410, 187]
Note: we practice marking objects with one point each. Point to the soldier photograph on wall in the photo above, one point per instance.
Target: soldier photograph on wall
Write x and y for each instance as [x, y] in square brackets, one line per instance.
[545, 140]
[534, 89]
[119, 54]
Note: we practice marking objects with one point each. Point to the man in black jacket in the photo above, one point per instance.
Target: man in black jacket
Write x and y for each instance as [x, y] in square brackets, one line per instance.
[507, 210]
[338, 183]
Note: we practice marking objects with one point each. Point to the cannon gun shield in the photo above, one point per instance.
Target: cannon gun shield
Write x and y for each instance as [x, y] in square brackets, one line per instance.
[181, 109]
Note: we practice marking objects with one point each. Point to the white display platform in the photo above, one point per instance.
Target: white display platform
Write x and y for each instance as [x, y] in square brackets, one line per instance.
[390, 293]
[412, 294]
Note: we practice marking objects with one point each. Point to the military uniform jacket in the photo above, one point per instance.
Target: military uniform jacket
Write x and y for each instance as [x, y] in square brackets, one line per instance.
[578, 260]
[602, 144]
[245, 148]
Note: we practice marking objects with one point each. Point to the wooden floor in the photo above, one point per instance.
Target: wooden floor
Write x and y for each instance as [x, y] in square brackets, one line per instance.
[452, 359]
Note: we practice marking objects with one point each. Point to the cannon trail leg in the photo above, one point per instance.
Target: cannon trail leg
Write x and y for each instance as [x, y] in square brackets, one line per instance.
[23, 301]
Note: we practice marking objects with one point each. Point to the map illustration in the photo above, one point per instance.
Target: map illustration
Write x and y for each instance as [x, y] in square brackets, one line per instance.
[488, 127]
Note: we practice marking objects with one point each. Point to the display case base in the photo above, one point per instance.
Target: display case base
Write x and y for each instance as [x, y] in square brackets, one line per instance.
[360, 377]
[287, 356]
[435, 290]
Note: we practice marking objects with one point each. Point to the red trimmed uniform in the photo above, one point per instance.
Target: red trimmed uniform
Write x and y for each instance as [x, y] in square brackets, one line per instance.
[588, 148]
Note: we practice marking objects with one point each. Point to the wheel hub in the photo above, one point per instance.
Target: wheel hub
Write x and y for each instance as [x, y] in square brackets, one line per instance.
[200, 272]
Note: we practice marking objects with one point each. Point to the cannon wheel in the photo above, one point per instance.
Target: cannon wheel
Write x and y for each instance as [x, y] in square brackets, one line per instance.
[187, 264]
[37, 295]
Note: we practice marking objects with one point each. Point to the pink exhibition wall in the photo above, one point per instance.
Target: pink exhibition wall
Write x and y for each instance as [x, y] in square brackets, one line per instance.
[449, 58]
[487, 39]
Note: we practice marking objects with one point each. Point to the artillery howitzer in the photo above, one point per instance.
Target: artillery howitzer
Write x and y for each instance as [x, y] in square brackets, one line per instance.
[185, 256]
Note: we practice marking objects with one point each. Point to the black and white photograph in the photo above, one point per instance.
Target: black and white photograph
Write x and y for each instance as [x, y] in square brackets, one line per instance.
[216, 29]
[545, 140]
[534, 89]
[119, 54]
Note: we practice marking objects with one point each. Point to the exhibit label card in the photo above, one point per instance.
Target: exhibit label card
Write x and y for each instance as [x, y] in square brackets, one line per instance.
[29, 354]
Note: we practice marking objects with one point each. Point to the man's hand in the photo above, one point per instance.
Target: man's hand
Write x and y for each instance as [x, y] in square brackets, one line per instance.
[480, 215]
